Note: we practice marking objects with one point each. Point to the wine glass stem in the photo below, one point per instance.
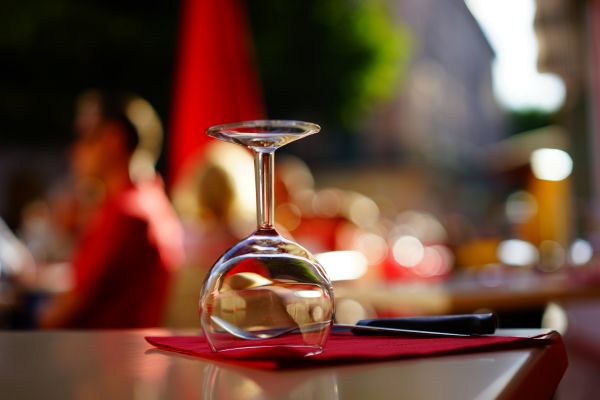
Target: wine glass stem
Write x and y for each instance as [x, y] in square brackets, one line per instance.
[264, 165]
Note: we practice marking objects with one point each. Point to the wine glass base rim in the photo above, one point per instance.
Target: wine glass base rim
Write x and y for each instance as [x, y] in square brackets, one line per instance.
[303, 350]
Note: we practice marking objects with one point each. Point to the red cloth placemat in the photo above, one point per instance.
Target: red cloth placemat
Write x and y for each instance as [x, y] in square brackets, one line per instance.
[345, 348]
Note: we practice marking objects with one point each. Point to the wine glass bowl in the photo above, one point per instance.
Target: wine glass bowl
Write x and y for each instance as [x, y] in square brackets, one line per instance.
[266, 291]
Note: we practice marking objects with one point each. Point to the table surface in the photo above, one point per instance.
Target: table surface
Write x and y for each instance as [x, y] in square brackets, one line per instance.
[120, 364]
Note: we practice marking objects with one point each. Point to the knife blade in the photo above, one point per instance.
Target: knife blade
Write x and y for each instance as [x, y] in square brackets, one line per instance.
[363, 330]
[461, 324]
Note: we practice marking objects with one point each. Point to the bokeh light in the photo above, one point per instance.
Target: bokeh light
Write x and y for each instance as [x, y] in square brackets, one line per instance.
[343, 265]
[520, 207]
[517, 252]
[580, 252]
[551, 164]
[408, 251]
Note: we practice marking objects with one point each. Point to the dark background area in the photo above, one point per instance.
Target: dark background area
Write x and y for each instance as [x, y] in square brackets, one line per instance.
[52, 50]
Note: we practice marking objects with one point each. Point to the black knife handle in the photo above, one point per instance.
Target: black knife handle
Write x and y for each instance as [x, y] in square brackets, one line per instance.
[466, 324]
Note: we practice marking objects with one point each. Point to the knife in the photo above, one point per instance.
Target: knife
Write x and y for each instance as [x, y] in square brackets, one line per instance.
[363, 330]
[439, 325]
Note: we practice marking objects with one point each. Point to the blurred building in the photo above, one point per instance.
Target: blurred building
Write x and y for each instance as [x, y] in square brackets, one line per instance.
[561, 42]
[445, 108]
[569, 45]
[568, 33]
[425, 143]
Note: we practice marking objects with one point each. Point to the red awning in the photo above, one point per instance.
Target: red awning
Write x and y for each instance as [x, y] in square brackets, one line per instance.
[215, 82]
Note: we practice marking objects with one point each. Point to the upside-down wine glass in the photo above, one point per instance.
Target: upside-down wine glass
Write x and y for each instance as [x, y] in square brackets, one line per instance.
[266, 291]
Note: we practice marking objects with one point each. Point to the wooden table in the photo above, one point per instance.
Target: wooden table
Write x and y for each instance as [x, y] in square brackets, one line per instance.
[121, 365]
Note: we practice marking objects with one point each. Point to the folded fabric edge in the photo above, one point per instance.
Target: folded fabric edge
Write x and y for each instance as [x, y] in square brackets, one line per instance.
[287, 364]
[260, 364]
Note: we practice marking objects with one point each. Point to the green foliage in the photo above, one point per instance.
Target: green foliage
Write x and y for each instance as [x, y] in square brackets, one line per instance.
[327, 60]
[528, 119]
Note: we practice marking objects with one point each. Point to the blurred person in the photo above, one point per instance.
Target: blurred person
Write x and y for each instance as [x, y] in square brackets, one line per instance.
[208, 230]
[16, 262]
[17, 269]
[123, 262]
[216, 197]
[207, 237]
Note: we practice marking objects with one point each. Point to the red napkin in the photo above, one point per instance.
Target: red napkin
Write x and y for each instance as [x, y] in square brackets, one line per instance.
[345, 348]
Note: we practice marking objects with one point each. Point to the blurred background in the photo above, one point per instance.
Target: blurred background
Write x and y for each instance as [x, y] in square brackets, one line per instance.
[456, 170]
